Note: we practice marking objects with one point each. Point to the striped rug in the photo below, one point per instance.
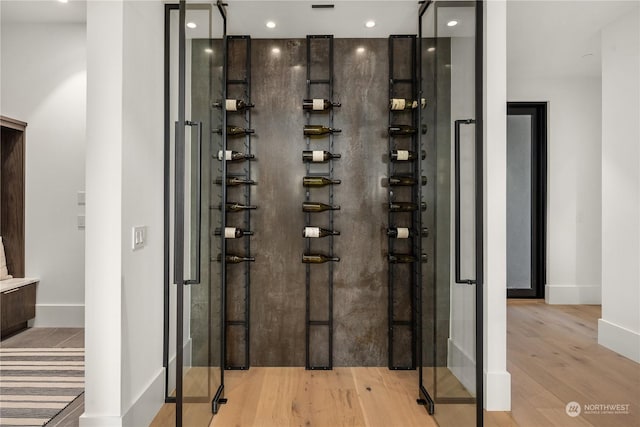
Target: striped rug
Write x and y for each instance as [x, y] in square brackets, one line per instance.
[37, 383]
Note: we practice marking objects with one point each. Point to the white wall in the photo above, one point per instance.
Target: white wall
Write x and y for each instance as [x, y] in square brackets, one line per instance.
[124, 374]
[619, 327]
[573, 186]
[43, 82]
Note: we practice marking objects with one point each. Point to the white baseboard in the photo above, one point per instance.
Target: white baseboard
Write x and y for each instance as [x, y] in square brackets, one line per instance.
[99, 421]
[462, 365]
[497, 391]
[619, 339]
[59, 316]
[572, 294]
[147, 404]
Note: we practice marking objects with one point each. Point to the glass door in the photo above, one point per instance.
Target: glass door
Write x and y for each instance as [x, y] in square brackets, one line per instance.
[194, 69]
[450, 68]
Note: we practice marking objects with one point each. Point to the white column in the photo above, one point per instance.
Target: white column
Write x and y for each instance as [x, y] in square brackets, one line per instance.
[619, 327]
[497, 379]
[103, 261]
[124, 311]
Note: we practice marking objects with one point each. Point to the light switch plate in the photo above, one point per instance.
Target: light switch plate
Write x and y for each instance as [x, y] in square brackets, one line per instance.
[138, 237]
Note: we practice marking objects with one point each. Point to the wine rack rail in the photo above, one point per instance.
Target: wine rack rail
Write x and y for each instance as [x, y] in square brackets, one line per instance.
[316, 86]
[407, 164]
[239, 88]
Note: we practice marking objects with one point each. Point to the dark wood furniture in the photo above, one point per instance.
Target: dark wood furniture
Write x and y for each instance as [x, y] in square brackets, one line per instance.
[17, 305]
[12, 148]
[18, 295]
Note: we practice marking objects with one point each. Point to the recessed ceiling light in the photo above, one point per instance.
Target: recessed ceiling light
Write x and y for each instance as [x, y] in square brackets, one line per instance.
[452, 23]
[63, 1]
[360, 49]
[370, 24]
[275, 50]
[431, 49]
[271, 24]
[191, 25]
[208, 50]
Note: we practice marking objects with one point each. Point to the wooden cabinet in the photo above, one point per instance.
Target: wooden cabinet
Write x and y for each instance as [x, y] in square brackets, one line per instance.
[12, 149]
[17, 305]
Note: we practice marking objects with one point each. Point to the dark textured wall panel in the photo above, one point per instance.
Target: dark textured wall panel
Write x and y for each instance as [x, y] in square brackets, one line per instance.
[360, 281]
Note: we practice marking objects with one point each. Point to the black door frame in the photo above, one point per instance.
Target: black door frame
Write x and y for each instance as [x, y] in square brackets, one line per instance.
[538, 112]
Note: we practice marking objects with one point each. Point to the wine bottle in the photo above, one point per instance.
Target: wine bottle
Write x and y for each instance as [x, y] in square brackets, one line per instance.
[318, 232]
[317, 104]
[318, 130]
[237, 207]
[235, 259]
[402, 104]
[318, 156]
[405, 180]
[233, 232]
[401, 130]
[406, 206]
[235, 131]
[405, 233]
[318, 207]
[234, 180]
[405, 155]
[318, 181]
[234, 156]
[233, 105]
[318, 258]
[405, 258]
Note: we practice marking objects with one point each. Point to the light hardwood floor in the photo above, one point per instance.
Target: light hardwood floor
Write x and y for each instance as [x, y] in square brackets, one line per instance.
[342, 397]
[554, 358]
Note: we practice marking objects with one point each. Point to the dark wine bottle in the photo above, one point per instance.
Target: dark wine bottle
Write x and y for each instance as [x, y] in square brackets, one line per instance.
[235, 259]
[318, 258]
[318, 207]
[405, 155]
[237, 207]
[318, 232]
[405, 233]
[235, 131]
[234, 180]
[318, 156]
[317, 104]
[233, 105]
[405, 180]
[234, 156]
[406, 206]
[405, 258]
[402, 130]
[318, 181]
[318, 130]
[233, 232]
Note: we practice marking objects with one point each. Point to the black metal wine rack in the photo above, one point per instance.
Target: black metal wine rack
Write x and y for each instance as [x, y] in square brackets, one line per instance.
[239, 88]
[319, 88]
[402, 283]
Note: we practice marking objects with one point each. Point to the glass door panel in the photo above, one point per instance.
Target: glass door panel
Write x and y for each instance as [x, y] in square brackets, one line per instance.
[195, 70]
[450, 298]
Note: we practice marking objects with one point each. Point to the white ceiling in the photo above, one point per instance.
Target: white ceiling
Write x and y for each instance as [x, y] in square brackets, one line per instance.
[559, 38]
[42, 11]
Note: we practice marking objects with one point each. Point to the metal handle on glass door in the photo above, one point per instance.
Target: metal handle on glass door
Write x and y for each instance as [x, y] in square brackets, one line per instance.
[457, 200]
[196, 280]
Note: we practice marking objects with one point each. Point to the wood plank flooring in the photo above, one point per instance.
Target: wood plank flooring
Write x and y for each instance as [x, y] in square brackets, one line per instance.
[343, 397]
[554, 358]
